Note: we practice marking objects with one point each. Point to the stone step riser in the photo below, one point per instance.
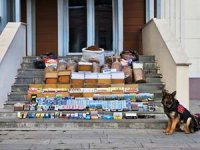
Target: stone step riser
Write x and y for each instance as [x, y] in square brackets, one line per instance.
[85, 125]
[35, 80]
[23, 97]
[153, 80]
[143, 58]
[31, 73]
[156, 86]
[150, 65]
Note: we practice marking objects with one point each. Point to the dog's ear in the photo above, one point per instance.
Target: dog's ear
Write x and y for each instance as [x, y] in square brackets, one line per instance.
[174, 94]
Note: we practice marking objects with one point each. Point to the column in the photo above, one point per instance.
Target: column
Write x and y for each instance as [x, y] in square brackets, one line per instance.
[17, 10]
[149, 10]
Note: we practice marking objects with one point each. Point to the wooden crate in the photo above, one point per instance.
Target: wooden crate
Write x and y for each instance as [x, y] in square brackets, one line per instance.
[85, 66]
[64, 76]
[51, 77]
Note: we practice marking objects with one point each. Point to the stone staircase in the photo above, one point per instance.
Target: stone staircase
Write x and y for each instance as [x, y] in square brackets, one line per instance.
[27, 74]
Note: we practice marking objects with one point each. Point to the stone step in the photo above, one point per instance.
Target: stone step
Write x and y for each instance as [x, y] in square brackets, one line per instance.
[22, 96]
[144, 58]
[40, 72]
[148, 87]
[29, 80]
[147, 65]
[29, 59]
[153, 80]
[142, 86]
[31, 72]
[55, 124]
[19, 87]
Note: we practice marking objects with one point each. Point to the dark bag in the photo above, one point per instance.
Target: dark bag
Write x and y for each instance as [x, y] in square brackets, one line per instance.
[39, 64]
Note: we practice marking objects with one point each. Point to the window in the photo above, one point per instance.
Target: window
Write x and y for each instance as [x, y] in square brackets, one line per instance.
[77, 25]
[103, 24]
[88, 22]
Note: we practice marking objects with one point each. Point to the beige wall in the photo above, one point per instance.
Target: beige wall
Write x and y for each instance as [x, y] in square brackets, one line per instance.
[192, 34]
[183, 17]
[159, 41]
[12, 49]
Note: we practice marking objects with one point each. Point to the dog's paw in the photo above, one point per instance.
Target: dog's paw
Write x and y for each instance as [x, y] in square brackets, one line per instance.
[164, 131]
[169, 133]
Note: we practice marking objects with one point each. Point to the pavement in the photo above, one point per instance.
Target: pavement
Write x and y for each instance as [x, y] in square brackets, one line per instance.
[101, 139]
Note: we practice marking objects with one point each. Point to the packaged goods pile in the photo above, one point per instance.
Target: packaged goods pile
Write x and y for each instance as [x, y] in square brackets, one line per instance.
[86, 88]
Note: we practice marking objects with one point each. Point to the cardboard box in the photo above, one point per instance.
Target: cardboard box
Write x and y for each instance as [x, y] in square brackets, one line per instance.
[131, 88]
[51, 77]
[85, 66]
[104, 78]
[64, 76]
[90, 85]
[77, 79]
[76, 92]
[91, 78]
[117, 77]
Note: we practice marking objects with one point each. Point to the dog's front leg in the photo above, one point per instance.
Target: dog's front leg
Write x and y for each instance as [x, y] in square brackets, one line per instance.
[169, 124]
[173, 126]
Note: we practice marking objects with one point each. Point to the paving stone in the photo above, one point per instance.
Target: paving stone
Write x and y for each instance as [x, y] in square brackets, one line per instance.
[165, 145]
[116, 145]
[27, 141]
[15, 146]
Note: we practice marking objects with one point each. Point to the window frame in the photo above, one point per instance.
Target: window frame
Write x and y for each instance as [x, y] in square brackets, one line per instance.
[63, 26]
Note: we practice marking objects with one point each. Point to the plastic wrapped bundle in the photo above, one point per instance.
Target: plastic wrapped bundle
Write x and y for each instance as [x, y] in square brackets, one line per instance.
[138, 73]
[72, 66]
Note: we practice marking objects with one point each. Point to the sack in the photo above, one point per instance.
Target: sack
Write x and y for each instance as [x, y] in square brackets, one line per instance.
[97, 55]
[139, 75]
[39, 64]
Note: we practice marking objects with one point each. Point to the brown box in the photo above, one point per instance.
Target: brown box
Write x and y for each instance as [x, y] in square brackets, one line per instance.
[88, 85]
[91, 81]
[117, 88]
[117, 81]
[104, 81]
[131, 88]
[76, 94]
[64, 76]
[88, 94]
[103, 85]
[45, 86]
[51, 77]
[19, 107]
[77, 83]
[139, 76]
[67, 86]
[117, 77]
[85, 66]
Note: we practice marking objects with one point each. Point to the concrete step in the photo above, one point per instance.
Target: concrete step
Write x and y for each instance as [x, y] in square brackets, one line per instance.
[31, 72]
[22, 96]
[147, 65]
[20, 87]
[29, 80]
[144, 58]
[153, 80]
[30, 59]
[54, 124]
[142, 87]
[148, 87]
[17, 96]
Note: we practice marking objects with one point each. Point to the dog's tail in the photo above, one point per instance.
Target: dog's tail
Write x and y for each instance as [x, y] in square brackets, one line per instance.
[197, 120]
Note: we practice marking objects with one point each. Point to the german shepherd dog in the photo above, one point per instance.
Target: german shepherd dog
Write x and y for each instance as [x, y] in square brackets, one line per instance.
[179, 117]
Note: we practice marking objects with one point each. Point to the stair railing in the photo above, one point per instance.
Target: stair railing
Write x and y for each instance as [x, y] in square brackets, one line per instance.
[174, 64]
[12, 51]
